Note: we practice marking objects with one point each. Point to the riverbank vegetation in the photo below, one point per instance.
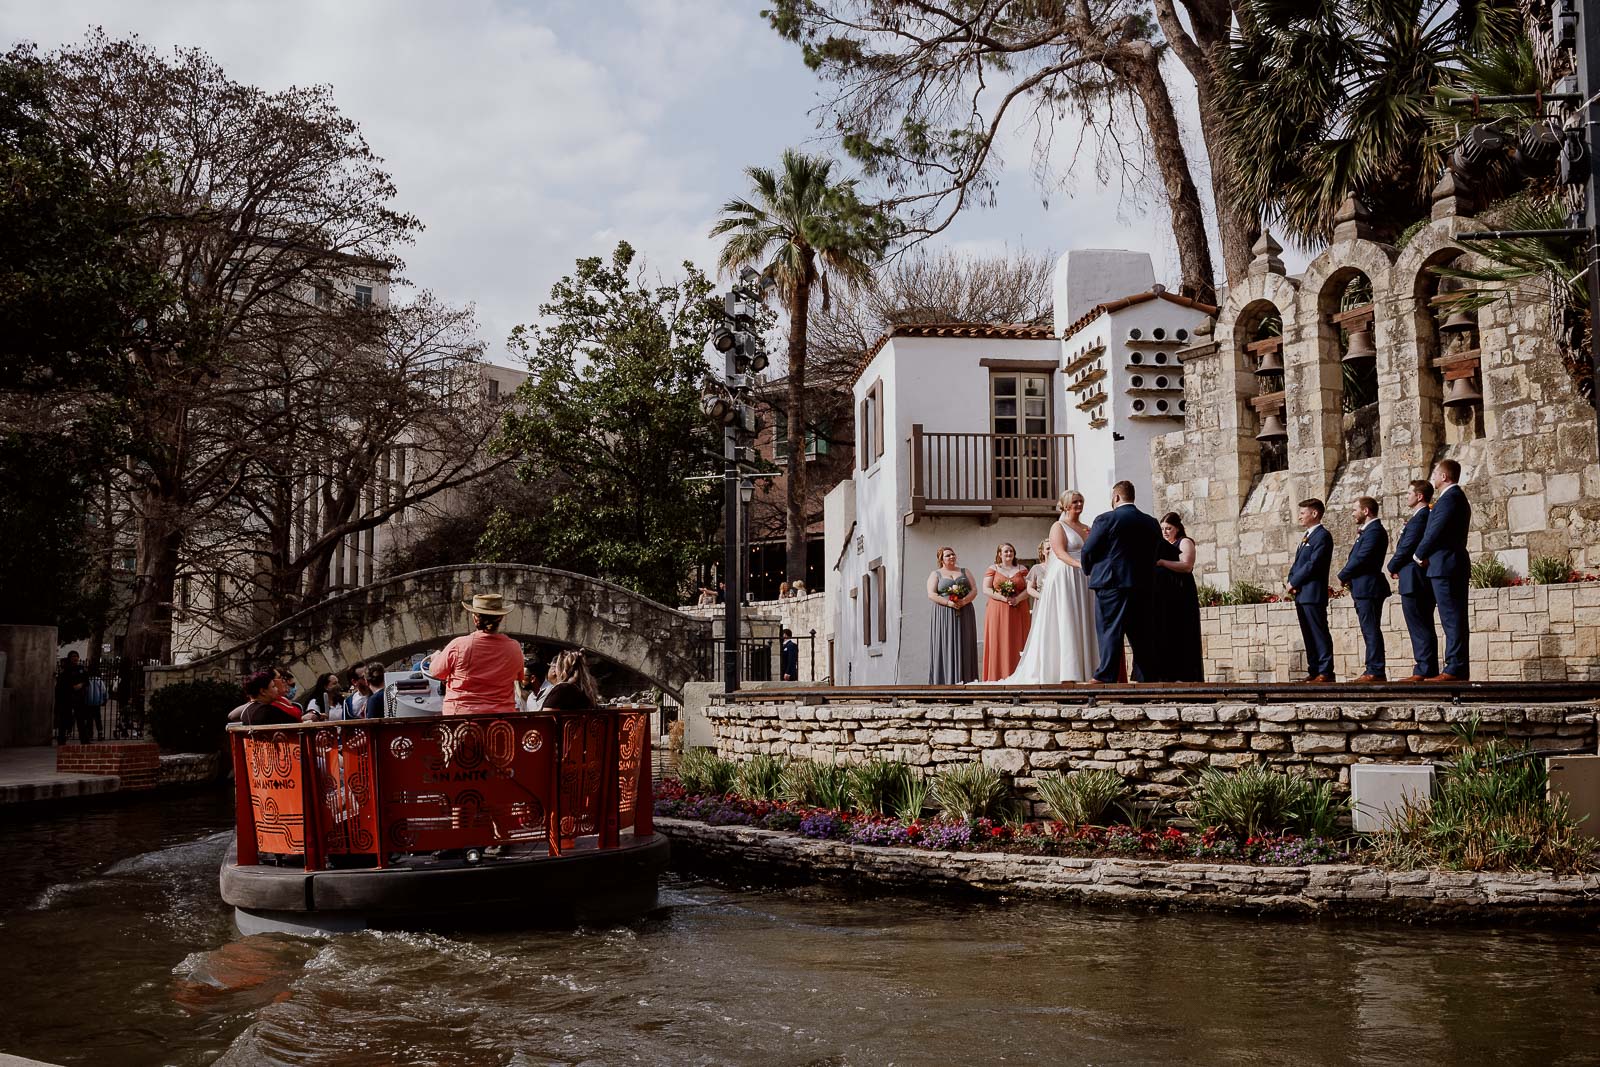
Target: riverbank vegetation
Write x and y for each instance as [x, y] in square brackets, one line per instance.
[1489, 812]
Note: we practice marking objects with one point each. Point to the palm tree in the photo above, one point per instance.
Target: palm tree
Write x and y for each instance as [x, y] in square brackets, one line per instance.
[800, 227]
[1325, 99]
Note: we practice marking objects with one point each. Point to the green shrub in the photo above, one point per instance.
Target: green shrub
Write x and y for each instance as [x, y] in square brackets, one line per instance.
[702, 771]
[1210, 596]
[1082, 797]
[1491, 573]
[913, 798]
[1245, 593]
[1489, 811]
[971, 791]
[877, 786]
[1319, 810]
[1550, 570]
[760, 777]
[1256, 799]
[193, 716]
[817, 785]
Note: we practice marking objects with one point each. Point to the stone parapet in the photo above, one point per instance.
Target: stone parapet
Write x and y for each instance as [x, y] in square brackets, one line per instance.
[1546, 633]
[1313, 891]
[1157, 747]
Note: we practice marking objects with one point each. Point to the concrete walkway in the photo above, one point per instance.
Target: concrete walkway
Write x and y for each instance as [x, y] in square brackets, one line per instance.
[29, 774]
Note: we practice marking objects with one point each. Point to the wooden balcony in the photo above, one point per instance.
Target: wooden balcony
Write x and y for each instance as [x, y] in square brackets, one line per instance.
[988, 475]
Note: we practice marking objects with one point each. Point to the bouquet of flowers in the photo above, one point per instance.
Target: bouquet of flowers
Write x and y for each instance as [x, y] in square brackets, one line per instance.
[1008, 588]
[957, 592]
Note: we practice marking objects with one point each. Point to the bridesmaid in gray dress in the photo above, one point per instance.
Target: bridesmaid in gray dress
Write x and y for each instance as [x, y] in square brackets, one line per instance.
[953, 655]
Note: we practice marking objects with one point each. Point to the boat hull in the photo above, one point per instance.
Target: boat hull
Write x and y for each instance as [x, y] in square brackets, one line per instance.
[582, 885]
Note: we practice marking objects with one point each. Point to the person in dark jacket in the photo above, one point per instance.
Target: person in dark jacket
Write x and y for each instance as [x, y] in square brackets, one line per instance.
[1443, 552]
[264, 709]
[1363, 576]
[72, 694]
[1416, 592]
[375, 683]
[1308, 584]
[1119, 556]
[788, 656]
[572, 687]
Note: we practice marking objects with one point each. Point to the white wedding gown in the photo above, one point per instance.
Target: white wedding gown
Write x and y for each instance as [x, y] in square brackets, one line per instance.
[1062, 646]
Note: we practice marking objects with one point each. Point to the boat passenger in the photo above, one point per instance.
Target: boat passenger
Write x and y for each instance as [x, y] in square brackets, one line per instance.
[481, 669]
[264, 709]
[573, 687]
[538, 687]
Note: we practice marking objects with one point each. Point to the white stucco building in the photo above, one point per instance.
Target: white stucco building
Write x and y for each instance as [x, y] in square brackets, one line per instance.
[966, 433]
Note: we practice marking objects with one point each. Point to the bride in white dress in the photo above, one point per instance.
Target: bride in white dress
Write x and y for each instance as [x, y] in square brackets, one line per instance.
[1061, 646]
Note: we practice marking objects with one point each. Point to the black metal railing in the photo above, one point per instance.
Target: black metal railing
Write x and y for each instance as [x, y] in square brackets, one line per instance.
[119, 716]
[760, 658]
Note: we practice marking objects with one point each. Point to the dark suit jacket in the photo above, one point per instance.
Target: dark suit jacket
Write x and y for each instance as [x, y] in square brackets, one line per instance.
[1363, 571]
[1312, 561]
[1403, 565]
[1444, 542]
[1122, 549]
[375, 703]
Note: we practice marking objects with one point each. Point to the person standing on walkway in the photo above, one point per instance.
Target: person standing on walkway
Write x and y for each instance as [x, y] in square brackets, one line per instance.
[1006, 617]
[1119, 556]
[1363, 576]
[1178, 604]
[1443, 553]
[72, 684]
[1416, 592]
[1308, 584]
[482, 669]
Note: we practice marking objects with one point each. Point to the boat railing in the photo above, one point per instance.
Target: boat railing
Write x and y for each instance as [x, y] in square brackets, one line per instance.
[375, 792]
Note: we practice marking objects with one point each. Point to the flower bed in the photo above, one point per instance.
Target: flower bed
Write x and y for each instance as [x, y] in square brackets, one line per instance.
[1048, 838]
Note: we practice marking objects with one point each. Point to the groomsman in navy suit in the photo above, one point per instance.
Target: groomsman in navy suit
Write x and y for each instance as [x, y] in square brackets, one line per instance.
[1363, 576]
[1119, 558]
[1308, 584]
[1443, 553]
[1416, 592]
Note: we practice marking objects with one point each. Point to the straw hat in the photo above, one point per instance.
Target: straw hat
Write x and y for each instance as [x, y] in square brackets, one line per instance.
[486, 604]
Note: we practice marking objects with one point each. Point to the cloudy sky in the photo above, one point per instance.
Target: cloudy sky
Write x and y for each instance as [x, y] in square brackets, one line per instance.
[528, 134]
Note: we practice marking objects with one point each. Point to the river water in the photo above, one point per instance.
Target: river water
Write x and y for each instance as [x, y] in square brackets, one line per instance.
[117, 951]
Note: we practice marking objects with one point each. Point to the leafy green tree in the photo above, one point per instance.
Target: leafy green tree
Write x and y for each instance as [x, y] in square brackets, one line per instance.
[1326, 99]
[800, 226]
[611, 427]
[72, 296]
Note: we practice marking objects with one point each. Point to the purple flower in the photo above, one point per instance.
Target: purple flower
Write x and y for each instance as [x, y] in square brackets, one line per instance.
[821, 824]
[946, 836]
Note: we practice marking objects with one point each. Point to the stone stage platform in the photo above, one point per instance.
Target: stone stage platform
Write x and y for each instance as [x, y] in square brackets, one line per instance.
[1155, 735]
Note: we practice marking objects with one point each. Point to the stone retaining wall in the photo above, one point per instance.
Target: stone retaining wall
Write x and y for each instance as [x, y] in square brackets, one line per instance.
[1323, 889]
[1155, 746]
[136, 763]
[1548, 633]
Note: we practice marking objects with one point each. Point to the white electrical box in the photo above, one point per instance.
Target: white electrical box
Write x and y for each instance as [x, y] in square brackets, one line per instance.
[1578, 779]
[1378, 792]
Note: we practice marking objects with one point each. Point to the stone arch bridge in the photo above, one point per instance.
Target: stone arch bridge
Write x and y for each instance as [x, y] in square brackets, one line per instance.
[422, 611]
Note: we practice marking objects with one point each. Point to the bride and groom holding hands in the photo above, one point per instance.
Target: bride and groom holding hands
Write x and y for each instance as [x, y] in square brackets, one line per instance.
[1099, 586]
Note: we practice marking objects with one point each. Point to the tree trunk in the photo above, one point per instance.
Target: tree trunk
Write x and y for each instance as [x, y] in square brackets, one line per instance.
[156, 575]
[1238, 220]
[1140, 66]
[794, 567]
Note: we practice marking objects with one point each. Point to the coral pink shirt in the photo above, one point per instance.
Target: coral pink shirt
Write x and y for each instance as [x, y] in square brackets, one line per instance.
[480, 670]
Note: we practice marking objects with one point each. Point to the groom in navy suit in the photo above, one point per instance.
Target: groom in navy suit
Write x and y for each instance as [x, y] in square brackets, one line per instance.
[1120, 559]
[1416, 592]
[1308, 584]
[1443, 553]
[1363, 576]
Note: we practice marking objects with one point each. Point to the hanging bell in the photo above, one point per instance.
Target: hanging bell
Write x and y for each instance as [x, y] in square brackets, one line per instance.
[1360, 346]
[1272, 428]
[1271, 362]
[1462, 391]
[1459, 321]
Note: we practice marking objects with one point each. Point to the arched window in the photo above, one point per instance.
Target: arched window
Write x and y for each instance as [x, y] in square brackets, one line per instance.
[1450, 382]
[1260, 330]
[1358, 365]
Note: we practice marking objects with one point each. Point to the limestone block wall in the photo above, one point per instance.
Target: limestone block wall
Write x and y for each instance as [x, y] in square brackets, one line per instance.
[1528, 452]
[1547, 633]
[1157, 747]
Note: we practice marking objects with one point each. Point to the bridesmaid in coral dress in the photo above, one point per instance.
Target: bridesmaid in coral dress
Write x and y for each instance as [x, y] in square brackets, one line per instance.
[1005, 623]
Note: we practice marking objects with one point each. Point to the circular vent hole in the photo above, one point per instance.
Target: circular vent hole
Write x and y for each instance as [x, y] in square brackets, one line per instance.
[1138, 405]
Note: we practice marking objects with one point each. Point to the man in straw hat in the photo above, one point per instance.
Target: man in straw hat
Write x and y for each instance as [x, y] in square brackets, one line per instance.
[480, 670]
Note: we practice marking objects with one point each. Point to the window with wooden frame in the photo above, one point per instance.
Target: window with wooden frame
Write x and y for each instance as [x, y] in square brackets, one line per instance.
[866, 610]
[1020, 417]
[869, 426]
[882, 576]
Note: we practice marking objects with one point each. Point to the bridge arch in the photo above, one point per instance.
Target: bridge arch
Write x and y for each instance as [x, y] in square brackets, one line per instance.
[422, 610]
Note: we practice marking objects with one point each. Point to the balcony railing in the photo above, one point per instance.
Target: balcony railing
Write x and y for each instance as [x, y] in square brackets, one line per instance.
[987, 474]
